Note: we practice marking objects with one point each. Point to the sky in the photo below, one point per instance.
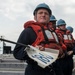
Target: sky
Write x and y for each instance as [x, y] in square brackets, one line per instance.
[14, 13]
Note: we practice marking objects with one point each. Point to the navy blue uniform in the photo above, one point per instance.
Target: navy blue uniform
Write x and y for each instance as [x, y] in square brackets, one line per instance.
[27, 37]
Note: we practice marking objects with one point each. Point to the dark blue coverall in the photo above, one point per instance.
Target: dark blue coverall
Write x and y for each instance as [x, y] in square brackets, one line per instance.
[27, 37]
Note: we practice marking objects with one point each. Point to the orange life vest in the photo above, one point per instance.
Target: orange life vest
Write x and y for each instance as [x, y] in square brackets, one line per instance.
[66, 37]
[51, 42]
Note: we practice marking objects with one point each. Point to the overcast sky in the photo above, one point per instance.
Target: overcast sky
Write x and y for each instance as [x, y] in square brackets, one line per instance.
[14, 13]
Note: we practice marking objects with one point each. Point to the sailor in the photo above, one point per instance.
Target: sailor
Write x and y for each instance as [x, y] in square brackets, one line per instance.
[67, 39]
[38, 34]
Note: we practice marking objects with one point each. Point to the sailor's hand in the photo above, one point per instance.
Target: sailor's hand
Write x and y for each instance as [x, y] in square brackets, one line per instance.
[63, 55]
[41, 48]
[70, 52]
